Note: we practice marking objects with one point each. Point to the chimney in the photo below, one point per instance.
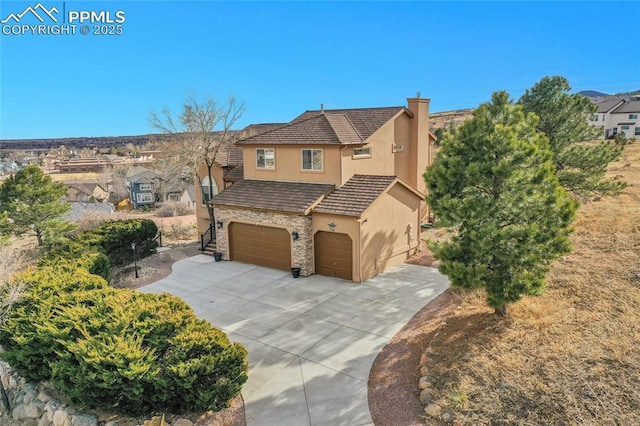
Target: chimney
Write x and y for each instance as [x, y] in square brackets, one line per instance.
[420, 145]
[321, 108]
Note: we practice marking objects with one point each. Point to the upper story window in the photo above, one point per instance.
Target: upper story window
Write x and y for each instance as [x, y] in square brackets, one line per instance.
[209, 189]
[265, 158]
[594, 117]
[145, 187]
[312, 159]
[633, 116]
[156, 183]
[363, 152]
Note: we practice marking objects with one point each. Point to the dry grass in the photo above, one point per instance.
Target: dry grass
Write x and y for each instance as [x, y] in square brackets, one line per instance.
[569, 357]
[15, 255]
[89, 176]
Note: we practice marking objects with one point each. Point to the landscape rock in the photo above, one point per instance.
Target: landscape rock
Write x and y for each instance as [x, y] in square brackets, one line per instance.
[84, 420]
[61, 418]
[183, 422]
[424, 382]
[433, 410]
[30, 393]
[28, 411]
[424, 370]
[44, 396]
[424, 359]
[448, 417]
[44, 421]
[51, 407]
[426, 396]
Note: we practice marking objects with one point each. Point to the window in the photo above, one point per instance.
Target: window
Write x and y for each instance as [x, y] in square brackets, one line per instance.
[362, 152]
[312, 159]
[624, 128]
[145, 187]
[207, 183]
[637, 132]
[156, 183]
[265, 158]
[144, 198]
[633, 116]
[594, 117]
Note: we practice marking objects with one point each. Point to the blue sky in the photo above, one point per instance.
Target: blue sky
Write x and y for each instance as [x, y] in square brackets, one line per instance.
[282, 58]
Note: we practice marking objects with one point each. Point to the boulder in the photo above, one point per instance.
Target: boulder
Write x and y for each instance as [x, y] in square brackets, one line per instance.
[433, 410]
[84, 420]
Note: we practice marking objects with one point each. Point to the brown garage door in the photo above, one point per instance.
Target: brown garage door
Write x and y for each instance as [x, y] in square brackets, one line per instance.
[333, 255]
[260, 245]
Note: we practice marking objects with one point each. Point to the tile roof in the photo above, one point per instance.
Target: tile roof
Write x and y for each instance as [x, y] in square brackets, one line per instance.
[234, 157]
[234, 175]
[347, 126]
[355, 196]
[365, 120]
[344, 129]
[293, 197]
[234, 154]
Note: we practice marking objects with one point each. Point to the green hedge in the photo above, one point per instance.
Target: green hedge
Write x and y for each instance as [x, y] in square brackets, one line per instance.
[105, 246]
[117, 349]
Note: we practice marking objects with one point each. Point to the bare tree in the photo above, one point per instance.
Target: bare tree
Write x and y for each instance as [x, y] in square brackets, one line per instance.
[201, 134]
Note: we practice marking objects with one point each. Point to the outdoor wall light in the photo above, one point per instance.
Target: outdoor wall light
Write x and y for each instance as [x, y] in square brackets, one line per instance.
[220, 224]
[294, 235]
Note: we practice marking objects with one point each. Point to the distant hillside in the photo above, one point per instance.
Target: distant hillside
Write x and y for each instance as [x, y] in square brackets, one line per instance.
[447, 119]
[88, 142]
[592, 94]
[595, 94]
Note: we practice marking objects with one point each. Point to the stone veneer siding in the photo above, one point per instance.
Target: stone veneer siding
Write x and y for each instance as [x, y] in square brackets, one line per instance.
[302, 250]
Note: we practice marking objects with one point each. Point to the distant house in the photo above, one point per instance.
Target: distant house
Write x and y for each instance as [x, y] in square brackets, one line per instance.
[144, 189]
[79, 210]
[188, 197]
[84, 165]
[616, 115]
[10, 167]
[86, 192]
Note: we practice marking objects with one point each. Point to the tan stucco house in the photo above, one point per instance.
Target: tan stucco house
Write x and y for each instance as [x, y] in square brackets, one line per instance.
[333, 192]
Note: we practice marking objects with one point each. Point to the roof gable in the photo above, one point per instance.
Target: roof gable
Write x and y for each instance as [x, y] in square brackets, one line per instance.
[356, 195]
[328, 127]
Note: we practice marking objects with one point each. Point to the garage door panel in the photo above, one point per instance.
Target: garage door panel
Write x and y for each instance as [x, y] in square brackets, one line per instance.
[333, 255]
[260, 245]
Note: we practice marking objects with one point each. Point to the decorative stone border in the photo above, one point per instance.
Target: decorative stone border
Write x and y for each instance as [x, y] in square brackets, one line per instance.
[29, 406]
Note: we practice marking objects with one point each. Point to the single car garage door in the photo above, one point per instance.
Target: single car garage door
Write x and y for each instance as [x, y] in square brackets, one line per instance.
[333, 255]
[260, 245]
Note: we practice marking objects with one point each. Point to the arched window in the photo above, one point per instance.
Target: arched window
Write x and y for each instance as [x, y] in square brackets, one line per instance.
[207, 183]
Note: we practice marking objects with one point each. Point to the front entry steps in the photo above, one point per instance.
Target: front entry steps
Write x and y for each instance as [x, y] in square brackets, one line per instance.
[210, 248]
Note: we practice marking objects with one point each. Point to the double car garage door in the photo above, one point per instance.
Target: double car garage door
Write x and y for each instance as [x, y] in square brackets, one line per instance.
[271, 247]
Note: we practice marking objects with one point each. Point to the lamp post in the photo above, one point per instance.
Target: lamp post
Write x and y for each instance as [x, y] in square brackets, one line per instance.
[135, 258]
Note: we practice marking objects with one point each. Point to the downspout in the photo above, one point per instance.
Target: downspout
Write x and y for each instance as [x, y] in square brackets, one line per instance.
[359, 221]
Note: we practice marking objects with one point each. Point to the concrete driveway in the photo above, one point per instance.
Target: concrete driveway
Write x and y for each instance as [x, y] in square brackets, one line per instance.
[311, 341]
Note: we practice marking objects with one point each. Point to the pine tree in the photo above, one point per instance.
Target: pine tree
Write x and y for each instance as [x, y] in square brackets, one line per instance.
[580, 166]
[34, 203]
[493, 181]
